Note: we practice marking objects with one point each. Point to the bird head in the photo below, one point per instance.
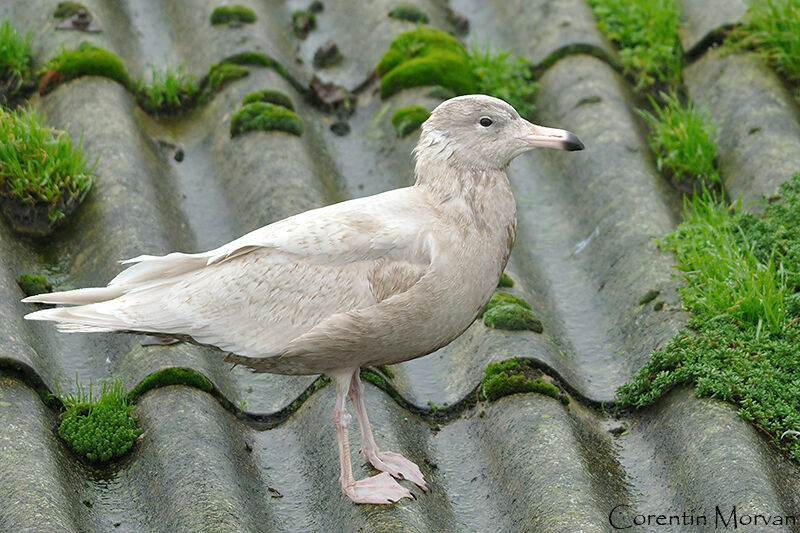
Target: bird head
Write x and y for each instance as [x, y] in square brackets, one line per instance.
[482, 132]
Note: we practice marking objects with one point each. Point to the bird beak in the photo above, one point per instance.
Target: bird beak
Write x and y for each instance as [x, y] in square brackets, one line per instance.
[539, 136]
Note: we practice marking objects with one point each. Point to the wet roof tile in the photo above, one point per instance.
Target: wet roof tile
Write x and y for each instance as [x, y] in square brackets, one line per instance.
[584, 258]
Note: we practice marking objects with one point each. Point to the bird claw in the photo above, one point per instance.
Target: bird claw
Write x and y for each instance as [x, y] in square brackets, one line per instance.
[400, 467]
[381, 489]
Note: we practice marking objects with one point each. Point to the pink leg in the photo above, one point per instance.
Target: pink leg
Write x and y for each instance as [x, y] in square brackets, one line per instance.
[393, 463]
[376, 489]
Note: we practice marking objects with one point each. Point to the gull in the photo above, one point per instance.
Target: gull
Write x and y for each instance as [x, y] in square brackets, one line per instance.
[370, 281]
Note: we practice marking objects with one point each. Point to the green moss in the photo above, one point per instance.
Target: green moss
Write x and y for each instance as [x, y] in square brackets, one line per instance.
[223, 73]
[408, 119]
[98, 429]
[502, 298]
[233, 14]
[39, 165]
[743, 276]
[409, 12]
[373, 378]
[252, 58]
[33, 284]
[426, 56]
[171, 376]
[89, 60]
[266, 117]
[68, 9]
[648, 297]
[505, 281]
[270, 96]
[303, 21]
[386, 371]
[512, 317]
[515, 376]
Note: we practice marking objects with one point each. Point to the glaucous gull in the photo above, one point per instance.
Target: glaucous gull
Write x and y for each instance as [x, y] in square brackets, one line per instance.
[370, 281]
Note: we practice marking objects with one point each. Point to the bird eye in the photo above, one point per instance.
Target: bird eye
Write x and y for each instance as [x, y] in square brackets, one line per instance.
[486, 122]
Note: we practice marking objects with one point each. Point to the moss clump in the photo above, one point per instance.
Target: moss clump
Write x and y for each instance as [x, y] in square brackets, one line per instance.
[426, 56]
[68, 9]
[252, 58]
[409, 12]
[171, 376]
[507, 311]
[408, 119]
[40, 170]
[223, 73]
[98, 429]
[512, 317]
[516, 376]
[233, 15]
[505, 281]
[505, 298]
[270, 96]
[86, 60]
[303, 21]
[648, 297]
[266, 117]
[385, 370]
[33, 284]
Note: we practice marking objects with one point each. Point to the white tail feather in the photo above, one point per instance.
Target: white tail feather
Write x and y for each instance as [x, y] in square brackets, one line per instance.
[77, 297]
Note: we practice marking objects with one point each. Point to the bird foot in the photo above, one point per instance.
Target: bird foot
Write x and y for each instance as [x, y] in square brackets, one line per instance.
[398, 466]
[380, 489]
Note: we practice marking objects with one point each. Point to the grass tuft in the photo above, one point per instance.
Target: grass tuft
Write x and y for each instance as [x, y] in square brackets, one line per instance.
[99, 429]
[39, 164]
[168, 92]
[647, 35]
[504, 77]
[683, 139]
[743, 276]
[233, 14]
[772, 29]
[408, 119]
[15, 59]
[266, 117]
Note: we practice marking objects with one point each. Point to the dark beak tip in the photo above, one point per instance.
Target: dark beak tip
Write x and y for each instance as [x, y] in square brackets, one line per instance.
[574, 144]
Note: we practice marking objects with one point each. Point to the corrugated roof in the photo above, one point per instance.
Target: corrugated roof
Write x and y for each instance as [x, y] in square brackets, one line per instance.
[585, 255]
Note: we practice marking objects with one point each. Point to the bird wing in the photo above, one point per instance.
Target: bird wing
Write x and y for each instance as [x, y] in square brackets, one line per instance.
[254, 295]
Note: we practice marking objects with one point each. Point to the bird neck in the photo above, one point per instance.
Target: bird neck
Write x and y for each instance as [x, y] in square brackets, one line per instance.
[446, 181]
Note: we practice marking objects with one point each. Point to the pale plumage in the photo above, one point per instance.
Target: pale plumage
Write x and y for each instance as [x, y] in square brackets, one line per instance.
[376, 280]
